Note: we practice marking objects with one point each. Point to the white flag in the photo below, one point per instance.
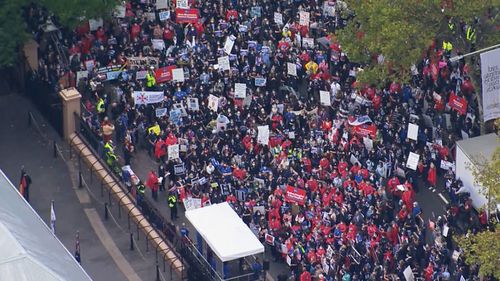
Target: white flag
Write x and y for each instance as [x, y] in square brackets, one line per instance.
[52, 218]
[145, 97]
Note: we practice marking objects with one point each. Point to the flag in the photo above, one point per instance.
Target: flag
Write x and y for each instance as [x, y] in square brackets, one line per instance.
[77, 247]
[52, 218]
[359, 121]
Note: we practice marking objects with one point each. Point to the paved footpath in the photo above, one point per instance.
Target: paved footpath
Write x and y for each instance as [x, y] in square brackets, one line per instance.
[104, 243]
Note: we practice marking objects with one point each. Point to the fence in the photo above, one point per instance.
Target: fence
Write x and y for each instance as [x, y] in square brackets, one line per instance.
[169, 232]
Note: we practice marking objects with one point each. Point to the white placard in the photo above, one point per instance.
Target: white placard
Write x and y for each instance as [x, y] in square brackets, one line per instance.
[278, 18]
[162, 4]
[324, 98]
[150, 16]
[182, 4]
[94, 24]
[158, 44]
[223, 63]
[193, 104]
[412, 161]
[139, 75]
[228, 46]
[263, 134]
[490, 76]
[307, 42]
[304, 18]
[81, 74]
[119, 11]
[408, 273]
[292, 68]
[368, 143]
[173, 151]
[445, 165]
[213, 103]
[165, 15]
[446, 229]
[240, 90]
[412, 131]
[178, 74]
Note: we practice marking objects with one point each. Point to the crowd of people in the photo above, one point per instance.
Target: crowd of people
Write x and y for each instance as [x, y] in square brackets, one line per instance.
[260, 107]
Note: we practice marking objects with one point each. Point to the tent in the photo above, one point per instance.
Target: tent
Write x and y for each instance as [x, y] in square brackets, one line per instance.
[29, 250]
[224, 231]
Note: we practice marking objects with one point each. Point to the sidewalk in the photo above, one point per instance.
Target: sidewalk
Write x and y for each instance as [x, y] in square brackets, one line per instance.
[104, 245]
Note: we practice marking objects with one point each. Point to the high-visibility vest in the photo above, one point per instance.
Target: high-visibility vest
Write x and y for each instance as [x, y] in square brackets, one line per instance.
[141, 189]
[447, 46]
[109, 148]
[451, 26]
[171, 201]
[150, 80]
[155, 129]
[470, 34]
[100, 106]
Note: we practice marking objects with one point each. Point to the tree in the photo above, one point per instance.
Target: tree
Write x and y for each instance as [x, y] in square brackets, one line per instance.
[70, 13]
[483, 248]
[401, 31]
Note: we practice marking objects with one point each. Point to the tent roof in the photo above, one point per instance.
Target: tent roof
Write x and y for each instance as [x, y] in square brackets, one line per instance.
[29, 249]
[482, 146]
[225, 232]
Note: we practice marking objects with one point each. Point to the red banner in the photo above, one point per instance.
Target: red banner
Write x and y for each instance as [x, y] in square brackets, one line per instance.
[458, 103]
[295, 195]
[164, 74]
[365, 130]
[187, 15]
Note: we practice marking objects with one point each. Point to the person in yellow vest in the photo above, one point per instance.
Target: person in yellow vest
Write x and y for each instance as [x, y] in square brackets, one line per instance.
[311, 67]
[155, 129]
[470, 34]
[100, 106]
[150, 79]
[447, 46]
[172, 204]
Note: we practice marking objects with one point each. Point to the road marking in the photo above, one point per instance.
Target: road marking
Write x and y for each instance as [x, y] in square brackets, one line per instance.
[109, 244]
[442, 198]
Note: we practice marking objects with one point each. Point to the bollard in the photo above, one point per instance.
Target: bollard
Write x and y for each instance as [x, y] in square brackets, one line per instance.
[80, 180]
[106, 211]
[131, 241]
[157, 272]
[55, 149]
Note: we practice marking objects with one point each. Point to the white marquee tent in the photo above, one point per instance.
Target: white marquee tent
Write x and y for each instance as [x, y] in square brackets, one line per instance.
[28, 249]
[225, 232]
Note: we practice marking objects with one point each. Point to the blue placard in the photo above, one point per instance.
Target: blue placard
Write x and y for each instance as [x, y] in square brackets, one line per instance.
[260, 82]
[175, 116]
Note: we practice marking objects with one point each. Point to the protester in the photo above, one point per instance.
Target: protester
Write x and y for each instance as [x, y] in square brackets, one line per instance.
[24, 184]
[264, 111]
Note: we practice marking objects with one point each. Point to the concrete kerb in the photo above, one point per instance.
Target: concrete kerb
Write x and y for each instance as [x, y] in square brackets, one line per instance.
[124, 200]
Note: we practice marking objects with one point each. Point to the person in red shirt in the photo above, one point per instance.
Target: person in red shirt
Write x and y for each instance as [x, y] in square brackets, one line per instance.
[153, 184]
[431, 176]
[134, 31]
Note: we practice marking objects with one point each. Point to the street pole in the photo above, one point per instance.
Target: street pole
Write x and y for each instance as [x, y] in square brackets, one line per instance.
[457, 58]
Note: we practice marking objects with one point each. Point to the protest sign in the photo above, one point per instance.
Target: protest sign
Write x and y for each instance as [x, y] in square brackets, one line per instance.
[408, 273]
[160, 112]
[89, 65]
[228, 45]
[192, 104]
[187, 15]
[81, 74]
[182, 4]
[139, 75]
[263, 134]
[175, 117]
[308, 42]
[179, 169]
[162, 4]
[368, 143]
[278, 18]
[291, 68]
[295, 195]
[354, 160]
[164, 74]
[150, 16]
[490, 76]
[445, 165]
[324, 98]
[260, 82]
[304, 18]
[240, 90]
[458, 103]
[223, 63]
[256, 12]
[412, 161]
[165, 15]
[173, 151]
[269, 239]
[119, 11]
[365, 130]
[178, 75]
[94, 24]
[147, 97]
[213, 102]
[158, 44]
[180, 107]
[142, 61]
[412, 131]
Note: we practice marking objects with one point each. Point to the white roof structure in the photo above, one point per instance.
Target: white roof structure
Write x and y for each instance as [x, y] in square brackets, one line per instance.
[28, 249]
[225, 232]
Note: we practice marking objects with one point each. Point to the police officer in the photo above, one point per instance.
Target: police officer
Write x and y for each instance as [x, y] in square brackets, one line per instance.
[141, 190]
[150, 79]
[172, 204]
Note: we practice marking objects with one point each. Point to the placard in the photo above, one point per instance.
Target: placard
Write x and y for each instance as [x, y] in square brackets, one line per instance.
[182, 4]
[304, 18]
[89, 65]
[445, 165]
[119, 11]
[240, 90]
[178, 75]
[278, 18]
[223, 63]
[179, 169]
[458, 103]
[408, 273]
[192, 104]
[150, 16]
[368, 143]
[160, 112]
[324, 98]
[173, 151]
[263, 135]
[308, 42]
[295, 195]
[142, 61]
[213, 103]
[164, 74]
[269, 239]
[94, 24]
[187, 15]
[165, 15]
[162, 4]
[158, 44]
[228, 45]
[412, 161]
[291, 69]
[81, 74]
[412, 131]
[260, 209]
[140, 75]
[260, 82]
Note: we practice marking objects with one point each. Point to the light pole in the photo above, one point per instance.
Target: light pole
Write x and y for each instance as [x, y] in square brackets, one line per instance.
[456, 58]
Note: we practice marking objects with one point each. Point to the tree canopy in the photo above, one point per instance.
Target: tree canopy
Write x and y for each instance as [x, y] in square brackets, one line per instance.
[401, 31]
[13, 31]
